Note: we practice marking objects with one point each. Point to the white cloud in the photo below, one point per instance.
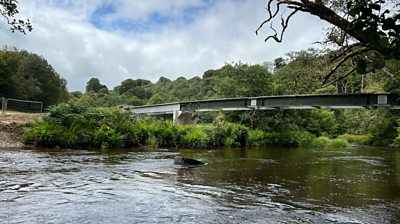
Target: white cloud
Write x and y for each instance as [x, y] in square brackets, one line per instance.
[219, 32]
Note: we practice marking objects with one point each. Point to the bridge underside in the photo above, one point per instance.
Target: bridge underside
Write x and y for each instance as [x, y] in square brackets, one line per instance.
[341, 101]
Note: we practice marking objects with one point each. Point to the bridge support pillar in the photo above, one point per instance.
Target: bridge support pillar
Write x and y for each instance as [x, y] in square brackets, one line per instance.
[184, 117]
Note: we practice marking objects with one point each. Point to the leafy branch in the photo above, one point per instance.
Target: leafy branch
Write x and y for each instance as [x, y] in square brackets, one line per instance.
[9, 9]
[368, 25]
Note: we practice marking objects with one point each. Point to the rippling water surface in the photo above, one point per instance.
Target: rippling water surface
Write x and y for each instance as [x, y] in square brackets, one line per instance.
[355, 185]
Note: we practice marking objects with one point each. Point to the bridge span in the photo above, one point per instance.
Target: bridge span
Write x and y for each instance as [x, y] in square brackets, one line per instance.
[186, 112]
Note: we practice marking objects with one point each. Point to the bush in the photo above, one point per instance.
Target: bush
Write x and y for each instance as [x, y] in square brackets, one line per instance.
[107, 137]
[290, 138]
[44, 134]
[229, 142]
[69, 138]
[320, 142]
[256, 138]
[238, 133]
[324, 142]
[338, 143]
[165, 133]
[196, 138]
[360, 139]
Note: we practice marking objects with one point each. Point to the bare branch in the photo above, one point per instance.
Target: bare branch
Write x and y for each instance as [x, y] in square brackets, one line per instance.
[284, 24]
[389, 73]
[344, 59]
[344, 50]
[340, 78]
[271, 15]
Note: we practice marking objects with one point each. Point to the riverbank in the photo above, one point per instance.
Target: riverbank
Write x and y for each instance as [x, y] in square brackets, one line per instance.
[12, 128]
[76, 125]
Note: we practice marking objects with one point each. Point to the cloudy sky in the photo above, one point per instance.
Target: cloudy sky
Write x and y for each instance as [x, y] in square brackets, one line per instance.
[118, 39]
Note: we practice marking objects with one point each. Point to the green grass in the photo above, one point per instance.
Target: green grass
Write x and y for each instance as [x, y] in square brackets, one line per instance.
[359, 139]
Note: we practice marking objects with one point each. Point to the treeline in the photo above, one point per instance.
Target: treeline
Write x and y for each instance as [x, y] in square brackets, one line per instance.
[298, 73]
[28, 76]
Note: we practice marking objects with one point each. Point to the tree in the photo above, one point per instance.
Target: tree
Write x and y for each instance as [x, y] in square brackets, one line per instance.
[244, 80]
[28, 76]
[358, 27]
[49, 86]
[301, 74]
[136, 88]
[9, 62]
[94, 85]
[279, 63]
[9, 9]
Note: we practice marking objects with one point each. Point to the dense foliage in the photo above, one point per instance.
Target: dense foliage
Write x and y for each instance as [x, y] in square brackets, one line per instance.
[365, 32]
[72, 125]
[28, 76]
[298, 73]
[78, 124]
[9, 11]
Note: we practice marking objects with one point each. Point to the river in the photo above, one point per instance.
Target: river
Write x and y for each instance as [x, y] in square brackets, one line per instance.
[272, 185]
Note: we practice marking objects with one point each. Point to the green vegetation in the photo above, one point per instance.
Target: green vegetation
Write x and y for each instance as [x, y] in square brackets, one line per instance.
[338, 143]
[28, 76]
[73, 125]
[359, 139]
[89, 120]
[320, 142]
[325, 142]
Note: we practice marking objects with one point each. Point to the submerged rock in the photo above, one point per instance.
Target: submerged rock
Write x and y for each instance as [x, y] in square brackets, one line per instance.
[187, 161]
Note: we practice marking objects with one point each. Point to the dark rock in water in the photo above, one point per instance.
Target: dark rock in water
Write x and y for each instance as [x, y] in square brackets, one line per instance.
[187, 161]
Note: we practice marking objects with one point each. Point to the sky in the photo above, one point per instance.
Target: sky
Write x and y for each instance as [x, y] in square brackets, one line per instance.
[114, 40]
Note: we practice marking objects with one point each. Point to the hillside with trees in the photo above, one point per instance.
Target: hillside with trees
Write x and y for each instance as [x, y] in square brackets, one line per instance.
[28, 76]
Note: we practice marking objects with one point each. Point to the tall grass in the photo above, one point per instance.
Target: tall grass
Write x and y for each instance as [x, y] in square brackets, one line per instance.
[359, 139]
[325, 142]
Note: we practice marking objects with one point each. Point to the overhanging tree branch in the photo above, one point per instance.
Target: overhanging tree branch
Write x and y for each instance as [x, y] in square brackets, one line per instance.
[370, 24]
[358, 25]
[8, 9]
[343, 60]
[340, 78]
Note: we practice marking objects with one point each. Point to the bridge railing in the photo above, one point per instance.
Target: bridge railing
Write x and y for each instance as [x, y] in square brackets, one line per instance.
[332, 101]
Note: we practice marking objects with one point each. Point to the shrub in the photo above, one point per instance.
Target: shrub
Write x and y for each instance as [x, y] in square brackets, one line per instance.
[107, 137]
[323, 142]
[238, 133]
[130, 135]
[290, 138]
[360, 139]
[256, 138]
[142, 133]
[152, 141]
[338, 143]
[164, 132]
[45, 134]
[69, 137]
[229, 142]
[320, 142]
[195, 138]
[218, 136]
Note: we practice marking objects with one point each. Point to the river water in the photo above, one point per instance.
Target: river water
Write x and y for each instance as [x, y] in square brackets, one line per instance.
[272, 185]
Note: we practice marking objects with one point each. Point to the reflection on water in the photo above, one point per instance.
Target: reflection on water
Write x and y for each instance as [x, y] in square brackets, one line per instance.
[355, 185]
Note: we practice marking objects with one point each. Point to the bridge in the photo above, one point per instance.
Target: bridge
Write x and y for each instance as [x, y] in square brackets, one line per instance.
[186, 112]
